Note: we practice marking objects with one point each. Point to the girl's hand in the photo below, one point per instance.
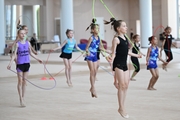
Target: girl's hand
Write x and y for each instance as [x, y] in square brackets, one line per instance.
[139, 56]
[52, 50]
[165, 63]
[87, 53]
[9, 67]
[40, 61]
[109, 59]
[147, 63]
[82, 52]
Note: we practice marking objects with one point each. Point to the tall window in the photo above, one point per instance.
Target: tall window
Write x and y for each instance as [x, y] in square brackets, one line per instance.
[178, 22]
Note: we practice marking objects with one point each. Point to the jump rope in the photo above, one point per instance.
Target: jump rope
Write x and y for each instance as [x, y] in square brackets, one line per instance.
[52, 77]
[131, 41]
[43, 65]
[125, 35]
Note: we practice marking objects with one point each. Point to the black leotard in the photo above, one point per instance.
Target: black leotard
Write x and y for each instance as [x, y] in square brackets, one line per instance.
[167, 47]
[120, 60]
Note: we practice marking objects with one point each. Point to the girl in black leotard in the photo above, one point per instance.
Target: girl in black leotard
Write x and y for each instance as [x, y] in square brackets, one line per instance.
[136, 49]
[166, 45]
[120, 51]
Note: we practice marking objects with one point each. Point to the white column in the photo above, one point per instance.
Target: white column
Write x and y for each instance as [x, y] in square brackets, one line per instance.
[13, 22]
[50, 19]
[43, 24]
[2, 30]
[66, 17]
[28, 19]
[8, 21]
[172, 17]
[35, 7]
[145, 21]
[19, 13]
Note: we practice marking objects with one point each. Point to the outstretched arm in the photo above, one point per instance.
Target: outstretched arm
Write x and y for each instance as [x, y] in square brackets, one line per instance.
[115, 42]
[61, 46]
[134, 55]
[88, 44]
[13, 56]
[174, 45]
[148, 54]
[33, 55]
[161, 59]
[78, 48]
[162, 47]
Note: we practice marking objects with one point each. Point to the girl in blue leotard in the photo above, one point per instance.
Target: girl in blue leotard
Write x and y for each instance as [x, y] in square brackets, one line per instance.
[151, 62]
[91, 54]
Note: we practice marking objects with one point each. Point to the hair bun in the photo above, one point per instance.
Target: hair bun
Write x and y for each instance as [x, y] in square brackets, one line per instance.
[112, 19]
[19, 27]
[94, 20]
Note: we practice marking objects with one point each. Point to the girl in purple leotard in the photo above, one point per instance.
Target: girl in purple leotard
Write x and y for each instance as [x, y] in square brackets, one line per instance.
[22, 53]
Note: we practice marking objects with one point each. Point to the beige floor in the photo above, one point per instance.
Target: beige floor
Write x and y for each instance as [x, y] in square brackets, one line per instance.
[64, 103]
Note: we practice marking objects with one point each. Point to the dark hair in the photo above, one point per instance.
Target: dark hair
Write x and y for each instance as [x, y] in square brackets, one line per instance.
[150, 39]
[135, 36]
[167, 28]
[92, 25]
[115, 23]
[67, 31]
[20, 27]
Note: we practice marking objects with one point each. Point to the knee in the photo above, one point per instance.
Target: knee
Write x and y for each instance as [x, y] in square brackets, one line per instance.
[24, 81]
[19, 82]
[171, 58]
[92, 72]
[137, 70]
[156, 76]
[67, 67]
[123, 87]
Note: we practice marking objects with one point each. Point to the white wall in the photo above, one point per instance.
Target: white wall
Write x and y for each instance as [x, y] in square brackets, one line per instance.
[127, 10]
[27, 16]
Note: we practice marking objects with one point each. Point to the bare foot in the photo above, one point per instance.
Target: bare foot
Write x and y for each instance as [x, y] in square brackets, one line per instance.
[153, 88]
[124, 115]
[22, 102]
[93, 93]
[69, 84]
[132, 79]
[149, 88]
